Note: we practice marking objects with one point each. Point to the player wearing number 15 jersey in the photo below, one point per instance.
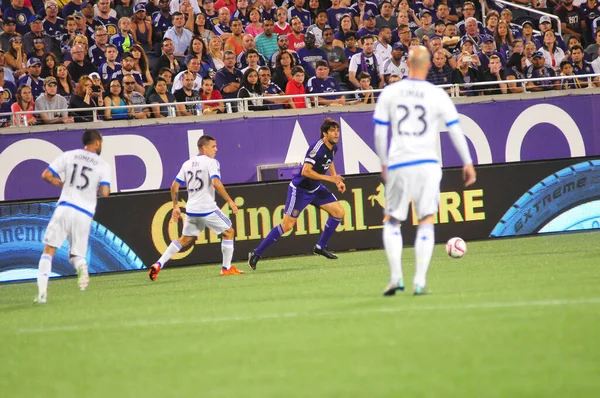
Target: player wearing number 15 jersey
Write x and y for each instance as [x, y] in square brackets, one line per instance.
[410, 167]
[202, 176]
[86, 176]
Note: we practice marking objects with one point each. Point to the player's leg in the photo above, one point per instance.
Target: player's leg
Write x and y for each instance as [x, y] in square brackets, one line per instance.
[54, 237]
[297, 200]
[328, 202]
[78, 236]
[397, 197]
[189, 233]
[426, 205]
[221, 225]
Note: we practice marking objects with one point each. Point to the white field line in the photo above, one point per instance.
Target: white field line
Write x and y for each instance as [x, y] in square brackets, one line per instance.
[318, 314]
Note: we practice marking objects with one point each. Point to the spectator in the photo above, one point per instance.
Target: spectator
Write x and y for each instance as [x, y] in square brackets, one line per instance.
[596, 63]
[212, 15]
[198, 50]
[97, 85]
[53, 24]
[269, 10]
[383, 46]
[234, 42]
[396, 65]
[491, 22]
[134, 98]
[8, 75]
[125, 9]
[32, 78]
[248, 44]
[465, 75]
[266, 42]
[10, 27]
[528, 51]
[366, 62]
[581, 66]
[515, 70]
[116, 102]
[20, 14]
[296, 87]
[65, 83]
[200, 28]
[487, 50]
[545, 25]
[69, 36]
[161, 21]
[368, 26]
[141, 64]
[361, 8]
[284, 64]
[468, 11]
[51, 101]
[272, 90]
[71, 7]
[215, 52]
[282, 27]
[539, 70]
[296, 38]
[37, 32]
[472, 33]
[208, 93]
[241, 12]
[527, 34]
[364, 80]
[167, 59]
[251, 91]
[103, 17]
[167, 76]
[23, 102]
[180, 36]
[297, 11]
[108, 68]
[350, 44]
[566, 69]
[79, 66]
[317, 28]
[385, 17]
[193, 67]
[443, 14]
[451, 40]
[15, 57]
[503, 38]
[336, 57]
[553, 55]
[176, 5]
[255, 27]
[493, 73]
[335, 12]
[310, 55]
[507, 16]
[427, 27]
[440, 72]
[5, 107]
[252, 57]
[571, 19]
[187, 94]
[322, 83]
[592, 49]
[468, 45]
[127, 68]
[517, 46]
[84, 97]
[78, 40]
[83, 23]
[223, 28]
[228, 78]
[123, 39]
[10, 89]
[283, 45]
[38, 49]
[97, 52]
[345, 25]
[161, 95]
[229, 4]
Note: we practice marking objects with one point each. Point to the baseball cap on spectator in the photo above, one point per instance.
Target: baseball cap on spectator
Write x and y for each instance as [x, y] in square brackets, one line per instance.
[368, 15]
[94, 75]
[34, 18]
[139, 7]
[33, 61]
[8, 21]
[423, 12]
[126, 55]
[86, 3]
[281, 36]
[435, 37]
[545, 19]
[537, 54]
[78, 15]
[527, 23]
[466, 39]
[398, 46]
[486, 38]
[50, 80]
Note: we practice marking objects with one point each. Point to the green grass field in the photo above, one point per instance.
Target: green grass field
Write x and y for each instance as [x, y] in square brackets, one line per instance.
[513, 318]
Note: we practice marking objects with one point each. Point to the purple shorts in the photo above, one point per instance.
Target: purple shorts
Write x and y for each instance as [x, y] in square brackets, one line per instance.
[299, 198]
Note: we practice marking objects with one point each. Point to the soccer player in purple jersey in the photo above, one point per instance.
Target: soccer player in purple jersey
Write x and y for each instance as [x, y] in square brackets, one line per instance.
[306, 188]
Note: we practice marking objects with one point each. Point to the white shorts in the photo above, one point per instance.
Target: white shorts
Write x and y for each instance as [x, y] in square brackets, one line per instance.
[69, 224]
[419, 183]
[215, 221]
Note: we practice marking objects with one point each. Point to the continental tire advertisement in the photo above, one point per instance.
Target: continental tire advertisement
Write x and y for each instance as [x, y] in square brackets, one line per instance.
[130, 231]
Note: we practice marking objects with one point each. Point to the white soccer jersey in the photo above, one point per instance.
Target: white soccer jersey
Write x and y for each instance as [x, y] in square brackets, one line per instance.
[390, 69]
[84, 172]
[413, 109]
[197, 174]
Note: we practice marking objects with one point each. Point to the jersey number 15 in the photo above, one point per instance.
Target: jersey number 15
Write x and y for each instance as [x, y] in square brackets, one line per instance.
[404, 113]
[82, 177]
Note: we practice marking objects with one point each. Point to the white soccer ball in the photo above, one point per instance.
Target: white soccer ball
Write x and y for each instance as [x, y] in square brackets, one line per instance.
[456, 247]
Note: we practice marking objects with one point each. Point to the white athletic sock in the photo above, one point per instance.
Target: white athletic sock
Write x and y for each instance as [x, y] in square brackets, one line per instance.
[227, 250]
[44, 268]
[392, 241]
[173, 248]
[423, 250]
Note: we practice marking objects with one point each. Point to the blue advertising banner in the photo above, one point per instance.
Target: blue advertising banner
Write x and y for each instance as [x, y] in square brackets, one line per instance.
[148, 157]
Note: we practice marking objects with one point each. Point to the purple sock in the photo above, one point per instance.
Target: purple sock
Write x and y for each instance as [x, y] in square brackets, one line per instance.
[269, 240]
[330, 226]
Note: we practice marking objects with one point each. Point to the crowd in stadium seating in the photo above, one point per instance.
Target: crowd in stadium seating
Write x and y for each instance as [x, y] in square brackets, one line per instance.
[58, 54]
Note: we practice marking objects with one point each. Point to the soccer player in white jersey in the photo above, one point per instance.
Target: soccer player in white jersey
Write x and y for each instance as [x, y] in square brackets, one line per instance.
[86, 176]
[202, 176]
[410, 167]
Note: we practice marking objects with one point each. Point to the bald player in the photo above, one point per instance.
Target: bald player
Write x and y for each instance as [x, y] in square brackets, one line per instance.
[410, 167]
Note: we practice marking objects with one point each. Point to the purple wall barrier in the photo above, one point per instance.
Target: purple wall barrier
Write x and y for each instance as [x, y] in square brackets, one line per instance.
[148, 157]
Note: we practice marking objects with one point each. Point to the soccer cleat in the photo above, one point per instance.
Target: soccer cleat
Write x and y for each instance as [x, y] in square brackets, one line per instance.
[253, 260]
[322, 251]
[391, 289]
[83, 277]
[419, 290]
[231, 271]
[41, 298]
[154, 270]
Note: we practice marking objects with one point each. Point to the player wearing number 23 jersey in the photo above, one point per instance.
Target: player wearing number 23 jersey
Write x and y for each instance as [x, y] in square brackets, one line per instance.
[413, 109]
[82, 175]
[202, 176]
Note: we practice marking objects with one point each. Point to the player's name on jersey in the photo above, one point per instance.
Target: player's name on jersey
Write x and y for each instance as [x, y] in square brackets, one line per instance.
[411, 92]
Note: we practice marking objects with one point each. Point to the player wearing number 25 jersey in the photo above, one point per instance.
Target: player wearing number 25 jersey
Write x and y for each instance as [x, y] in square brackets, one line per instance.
[85, 176]
[202, 176]
[413, 108]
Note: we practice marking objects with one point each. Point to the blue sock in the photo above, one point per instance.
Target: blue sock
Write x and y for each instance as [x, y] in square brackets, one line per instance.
[330, 226]
[269, 240]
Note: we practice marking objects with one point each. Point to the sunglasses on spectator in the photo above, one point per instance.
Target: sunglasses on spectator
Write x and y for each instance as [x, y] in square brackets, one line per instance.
[52, 7]
[128, 83]
[115, 86]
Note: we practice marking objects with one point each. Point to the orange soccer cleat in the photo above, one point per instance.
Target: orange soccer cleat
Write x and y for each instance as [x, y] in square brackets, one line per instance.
[154, 270]
[231, 271]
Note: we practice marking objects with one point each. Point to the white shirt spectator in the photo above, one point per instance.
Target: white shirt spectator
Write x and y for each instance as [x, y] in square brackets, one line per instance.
[174, 6]
[178, 82]
[383, 52]
[559, 56]
[182, 42]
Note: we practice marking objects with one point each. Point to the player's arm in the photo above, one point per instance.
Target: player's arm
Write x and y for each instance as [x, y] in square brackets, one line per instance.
[175, 198]
[220, 188]
[459, 141]
[52, 177]
[340, 185]
[103, 190]
[308, 172]
[382, 123]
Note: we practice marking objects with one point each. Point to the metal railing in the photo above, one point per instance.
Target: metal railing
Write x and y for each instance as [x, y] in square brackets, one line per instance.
[525, 8]
[454, 91]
